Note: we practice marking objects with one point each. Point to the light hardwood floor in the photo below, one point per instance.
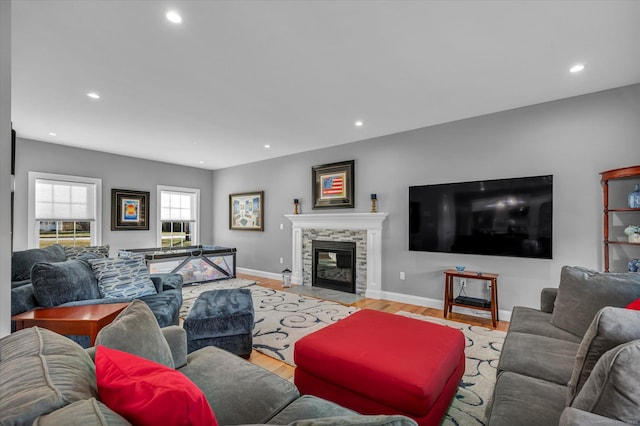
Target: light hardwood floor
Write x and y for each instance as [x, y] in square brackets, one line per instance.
[286, 371]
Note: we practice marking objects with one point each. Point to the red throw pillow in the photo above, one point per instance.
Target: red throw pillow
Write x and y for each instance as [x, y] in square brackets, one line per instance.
[634, 305]
[148, 393]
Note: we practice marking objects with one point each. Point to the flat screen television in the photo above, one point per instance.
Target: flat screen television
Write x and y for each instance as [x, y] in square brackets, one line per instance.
[502, 217]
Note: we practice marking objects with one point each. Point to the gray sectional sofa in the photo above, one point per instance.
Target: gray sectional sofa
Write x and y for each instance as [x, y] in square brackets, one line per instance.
[63, 276]
[576, 360]
[60, 385]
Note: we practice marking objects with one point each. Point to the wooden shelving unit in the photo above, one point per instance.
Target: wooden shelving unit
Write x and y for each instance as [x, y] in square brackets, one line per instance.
[632, 174]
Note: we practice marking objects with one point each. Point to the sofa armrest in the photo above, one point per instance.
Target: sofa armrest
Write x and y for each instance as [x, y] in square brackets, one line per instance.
[177, 338]
[575, 417]
[22, 299]
[547, 299]
[166, 281]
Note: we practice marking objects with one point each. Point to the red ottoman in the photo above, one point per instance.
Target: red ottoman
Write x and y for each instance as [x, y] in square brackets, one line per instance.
[379, 363]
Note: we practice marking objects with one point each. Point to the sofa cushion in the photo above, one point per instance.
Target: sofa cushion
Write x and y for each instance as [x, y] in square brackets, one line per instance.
[312, 411]
[148, 393]
[136, 331]
[22, 261]
[309, 407]
[238, 391]
[521, 400]
[74, 252]
[81, 413]
[612, 388]
[122, 278]
[530, 355]
[62, 282]
[533, 321]
[610, 327]
[41, 371]
[582, 293]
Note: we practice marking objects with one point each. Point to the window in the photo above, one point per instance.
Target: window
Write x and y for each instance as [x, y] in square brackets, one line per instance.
[178, 211]
[64, 210]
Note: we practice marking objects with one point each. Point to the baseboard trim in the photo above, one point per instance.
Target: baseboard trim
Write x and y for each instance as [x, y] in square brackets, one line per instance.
[396, 297]
[263, 274]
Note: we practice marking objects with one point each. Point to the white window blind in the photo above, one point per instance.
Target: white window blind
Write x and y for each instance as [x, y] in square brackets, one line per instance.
[178, 206]
[64, 200]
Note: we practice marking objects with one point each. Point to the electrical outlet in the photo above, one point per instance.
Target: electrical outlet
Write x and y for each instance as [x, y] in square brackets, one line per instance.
[463, 283]
[281, 260]
[402, 276]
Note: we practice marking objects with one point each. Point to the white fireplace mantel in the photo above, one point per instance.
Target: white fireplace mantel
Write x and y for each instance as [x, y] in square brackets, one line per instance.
[371, 222]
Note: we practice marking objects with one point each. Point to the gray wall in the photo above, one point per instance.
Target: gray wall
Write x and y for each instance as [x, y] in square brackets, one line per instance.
[572, 139]
[5, 168]
[116, 171]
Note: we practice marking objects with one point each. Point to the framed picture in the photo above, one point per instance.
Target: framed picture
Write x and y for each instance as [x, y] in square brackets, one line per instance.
[333, 185]
[129, 210]
[246, 211]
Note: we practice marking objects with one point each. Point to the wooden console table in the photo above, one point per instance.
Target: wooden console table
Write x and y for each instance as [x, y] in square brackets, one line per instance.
[450, 301]
[73, 320]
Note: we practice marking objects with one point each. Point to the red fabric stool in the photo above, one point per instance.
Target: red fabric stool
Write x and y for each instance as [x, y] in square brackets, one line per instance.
[379, 363]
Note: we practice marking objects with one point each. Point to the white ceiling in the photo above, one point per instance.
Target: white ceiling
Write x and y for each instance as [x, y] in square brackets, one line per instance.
[237, 75]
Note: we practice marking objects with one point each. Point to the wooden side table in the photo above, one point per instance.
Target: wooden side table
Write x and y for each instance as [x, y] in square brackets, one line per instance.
[450, 301]
[74, 320]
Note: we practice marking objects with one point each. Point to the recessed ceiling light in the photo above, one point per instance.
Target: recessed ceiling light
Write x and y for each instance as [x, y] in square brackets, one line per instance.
[174, 17]
[359, 123]
[93, 95]
[52, 134]
[201, 162]
[576, 68]
[267, 146]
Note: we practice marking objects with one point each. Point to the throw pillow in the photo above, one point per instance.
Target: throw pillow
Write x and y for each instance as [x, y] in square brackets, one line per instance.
[612, 388]
[635, 305]
[22, 261]
[62, 282]
[610, 327]
[74, 252]
[582, 293]
[147, 393]
[122, 278]
[41, 371]
[136, 331]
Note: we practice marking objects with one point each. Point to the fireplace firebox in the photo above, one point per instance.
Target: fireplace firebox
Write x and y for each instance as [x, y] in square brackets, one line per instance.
[334, 265]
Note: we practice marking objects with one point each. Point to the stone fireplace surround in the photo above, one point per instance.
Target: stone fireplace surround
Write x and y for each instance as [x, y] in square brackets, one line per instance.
[365, 229]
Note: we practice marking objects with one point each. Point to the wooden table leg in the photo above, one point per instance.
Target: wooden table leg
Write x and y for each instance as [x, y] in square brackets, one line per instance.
[446, 295]
[494, 303]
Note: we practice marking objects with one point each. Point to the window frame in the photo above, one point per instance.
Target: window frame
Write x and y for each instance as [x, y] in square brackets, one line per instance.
[195, 224]
[33, 229]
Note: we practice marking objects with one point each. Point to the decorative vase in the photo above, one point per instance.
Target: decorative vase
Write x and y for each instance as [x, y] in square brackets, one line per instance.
[634, 198]
[634, 238]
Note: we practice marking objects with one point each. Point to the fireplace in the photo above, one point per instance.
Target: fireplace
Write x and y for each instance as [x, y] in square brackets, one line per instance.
[334, 265]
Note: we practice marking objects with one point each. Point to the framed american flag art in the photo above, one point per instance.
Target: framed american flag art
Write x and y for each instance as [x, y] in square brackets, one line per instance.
[333, 185]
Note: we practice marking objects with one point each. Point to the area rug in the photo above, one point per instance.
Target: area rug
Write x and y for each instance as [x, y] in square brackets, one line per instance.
[281, 319]
[476, 387]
